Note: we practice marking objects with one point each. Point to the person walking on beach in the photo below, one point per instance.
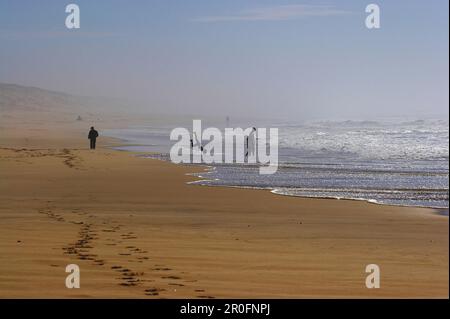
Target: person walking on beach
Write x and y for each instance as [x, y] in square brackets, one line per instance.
[93, 134]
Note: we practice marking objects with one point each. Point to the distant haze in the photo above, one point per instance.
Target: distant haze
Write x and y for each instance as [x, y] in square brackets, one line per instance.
[293, 60]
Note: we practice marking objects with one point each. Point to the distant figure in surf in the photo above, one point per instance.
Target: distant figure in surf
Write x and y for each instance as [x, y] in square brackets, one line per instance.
[93, 134]
[250, 143]
[197, 142]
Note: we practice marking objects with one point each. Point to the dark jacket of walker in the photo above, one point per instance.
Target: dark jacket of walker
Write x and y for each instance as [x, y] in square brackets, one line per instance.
[93, 134]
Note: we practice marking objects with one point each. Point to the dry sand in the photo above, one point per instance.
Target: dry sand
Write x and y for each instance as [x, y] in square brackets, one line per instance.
[137, 230]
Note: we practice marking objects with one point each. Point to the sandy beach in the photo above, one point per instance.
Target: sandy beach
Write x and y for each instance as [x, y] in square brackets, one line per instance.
[314, 139]
[138, 230]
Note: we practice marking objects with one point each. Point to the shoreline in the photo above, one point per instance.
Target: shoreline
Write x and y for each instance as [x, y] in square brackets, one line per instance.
[444, 211]
[326, 193]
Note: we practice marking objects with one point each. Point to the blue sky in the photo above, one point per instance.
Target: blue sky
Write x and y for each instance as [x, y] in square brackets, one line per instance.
[302, 59]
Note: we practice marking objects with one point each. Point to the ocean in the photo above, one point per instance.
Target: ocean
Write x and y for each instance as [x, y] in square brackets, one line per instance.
[386, 162]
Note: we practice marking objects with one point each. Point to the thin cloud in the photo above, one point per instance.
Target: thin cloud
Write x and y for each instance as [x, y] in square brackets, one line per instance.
[57, 34]
[277, 13]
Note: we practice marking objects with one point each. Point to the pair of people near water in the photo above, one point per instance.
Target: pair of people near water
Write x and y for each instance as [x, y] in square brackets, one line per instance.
[250, 143]
[196, 142]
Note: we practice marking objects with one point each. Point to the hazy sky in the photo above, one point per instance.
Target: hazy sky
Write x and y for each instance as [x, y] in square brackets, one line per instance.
[289, 58]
